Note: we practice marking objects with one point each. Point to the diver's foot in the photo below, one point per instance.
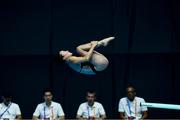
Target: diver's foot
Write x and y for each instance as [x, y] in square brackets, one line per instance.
[105, 42]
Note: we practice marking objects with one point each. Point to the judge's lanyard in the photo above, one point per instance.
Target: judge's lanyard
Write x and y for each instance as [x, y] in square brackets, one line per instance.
[51, 112]
[94, 113]
[135, 107]
[5, 110]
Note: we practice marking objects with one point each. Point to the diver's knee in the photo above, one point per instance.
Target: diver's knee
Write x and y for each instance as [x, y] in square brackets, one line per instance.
[78, 48]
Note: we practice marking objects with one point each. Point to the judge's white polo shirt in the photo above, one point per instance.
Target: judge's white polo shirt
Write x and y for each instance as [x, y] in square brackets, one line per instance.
[132, 109]
[9, 112]
[52, 112]
[87, 111]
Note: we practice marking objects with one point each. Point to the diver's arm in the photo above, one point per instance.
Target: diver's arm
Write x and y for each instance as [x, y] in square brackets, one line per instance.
[85, 58]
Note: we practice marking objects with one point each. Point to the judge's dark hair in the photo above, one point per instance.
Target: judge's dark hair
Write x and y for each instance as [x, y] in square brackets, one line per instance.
[47, 90]
[91, 92]
[131, 86]
[6, 94]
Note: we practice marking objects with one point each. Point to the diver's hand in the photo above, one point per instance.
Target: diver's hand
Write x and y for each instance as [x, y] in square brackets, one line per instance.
[94, 43]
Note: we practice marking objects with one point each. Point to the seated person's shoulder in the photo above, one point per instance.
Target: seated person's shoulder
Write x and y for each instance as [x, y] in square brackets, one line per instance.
[15, 105]
[140, 99]
[123, 99]
[83, 104]
[98, 104]
[56, 103]
[40, 105]
[1, 105]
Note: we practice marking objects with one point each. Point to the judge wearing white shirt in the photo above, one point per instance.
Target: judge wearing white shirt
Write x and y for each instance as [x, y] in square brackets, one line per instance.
[48, 110]
[8, 109]
[129, 107]
[91, 110]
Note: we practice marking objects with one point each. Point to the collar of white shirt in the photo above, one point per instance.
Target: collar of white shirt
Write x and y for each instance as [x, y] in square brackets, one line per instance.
[52, 104]
[6, 105]
[94, 105]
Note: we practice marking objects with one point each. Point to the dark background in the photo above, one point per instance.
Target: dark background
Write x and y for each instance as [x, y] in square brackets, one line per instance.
[145, 52]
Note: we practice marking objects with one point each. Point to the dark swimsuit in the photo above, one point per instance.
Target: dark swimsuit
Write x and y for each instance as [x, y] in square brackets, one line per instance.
[90, 65]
